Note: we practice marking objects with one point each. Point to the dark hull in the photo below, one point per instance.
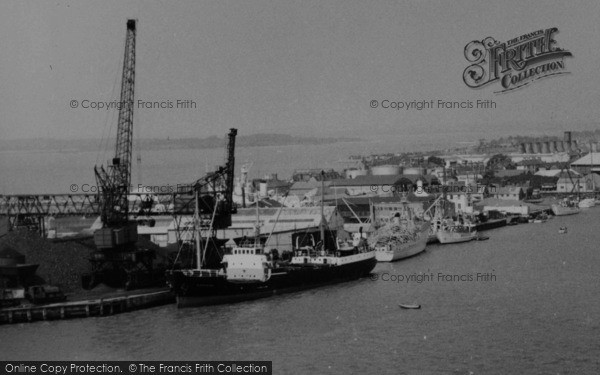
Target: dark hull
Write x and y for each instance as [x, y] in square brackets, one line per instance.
[213, 290]
[491, 224]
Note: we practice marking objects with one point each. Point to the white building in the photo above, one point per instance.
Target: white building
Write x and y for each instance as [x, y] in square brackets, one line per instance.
[513, 193]
[276, 223]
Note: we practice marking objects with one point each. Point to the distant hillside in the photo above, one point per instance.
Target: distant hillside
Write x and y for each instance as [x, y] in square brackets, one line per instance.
[253, 140]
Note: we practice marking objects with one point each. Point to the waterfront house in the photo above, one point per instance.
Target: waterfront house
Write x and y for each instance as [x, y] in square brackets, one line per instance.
[569, 182]
[582, 184]
[514, 193]
[465, 195]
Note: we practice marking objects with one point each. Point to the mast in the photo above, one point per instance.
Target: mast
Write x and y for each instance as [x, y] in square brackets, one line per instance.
[592, 169]
[197, 232]
[257, 225]
[322, 209]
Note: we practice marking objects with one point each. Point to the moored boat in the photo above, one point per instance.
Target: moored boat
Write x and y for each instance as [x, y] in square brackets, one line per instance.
[404, 236]
[400, 246]
[565, 207]
[409, 306]
[248, 273]
[587, 203]
[456, 234]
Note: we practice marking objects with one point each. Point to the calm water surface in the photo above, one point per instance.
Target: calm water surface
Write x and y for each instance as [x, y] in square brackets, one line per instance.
[540, 316]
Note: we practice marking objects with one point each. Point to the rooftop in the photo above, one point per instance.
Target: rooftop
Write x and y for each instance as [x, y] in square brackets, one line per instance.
[593, 158]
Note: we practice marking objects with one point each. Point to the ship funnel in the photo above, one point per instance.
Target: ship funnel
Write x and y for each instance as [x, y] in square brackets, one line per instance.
[567, 137]
[262, 188]
[522, 148]
[553, 147]
[536, 148]
[560, 145]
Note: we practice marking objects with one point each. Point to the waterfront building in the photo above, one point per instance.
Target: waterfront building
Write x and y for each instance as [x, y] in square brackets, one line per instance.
[588, 163]
[568, 181]
[278, 224]
[513, 193]
[578, 183]
[465, 195]
[511, 206]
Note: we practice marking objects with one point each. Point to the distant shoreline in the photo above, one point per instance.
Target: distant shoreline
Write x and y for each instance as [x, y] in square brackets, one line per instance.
[254, 140]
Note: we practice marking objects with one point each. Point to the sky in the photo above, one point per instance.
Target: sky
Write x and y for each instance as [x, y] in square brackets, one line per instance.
[308, 67]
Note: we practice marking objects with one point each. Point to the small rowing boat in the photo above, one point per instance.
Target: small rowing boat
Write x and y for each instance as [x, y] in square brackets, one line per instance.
[405, 306]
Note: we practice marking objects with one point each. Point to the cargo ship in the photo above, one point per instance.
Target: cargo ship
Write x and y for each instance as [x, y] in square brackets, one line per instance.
[248, 272]
[404, 236]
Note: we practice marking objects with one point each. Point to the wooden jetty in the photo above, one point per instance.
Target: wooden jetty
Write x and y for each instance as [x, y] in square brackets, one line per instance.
[86, 308]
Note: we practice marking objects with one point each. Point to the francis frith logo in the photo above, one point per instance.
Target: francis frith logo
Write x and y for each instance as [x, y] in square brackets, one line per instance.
[514, 63]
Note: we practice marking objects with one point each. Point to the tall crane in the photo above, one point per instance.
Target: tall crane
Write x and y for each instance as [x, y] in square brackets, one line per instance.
[115, 182]
[118, 261]
[210, 199]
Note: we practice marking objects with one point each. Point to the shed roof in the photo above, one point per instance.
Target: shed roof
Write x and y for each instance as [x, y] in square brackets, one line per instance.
[589, 159]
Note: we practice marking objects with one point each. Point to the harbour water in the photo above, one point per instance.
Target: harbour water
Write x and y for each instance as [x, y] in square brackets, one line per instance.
[53, 172]
[538, 314]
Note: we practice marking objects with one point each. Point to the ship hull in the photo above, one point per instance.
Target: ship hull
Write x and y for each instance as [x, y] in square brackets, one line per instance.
[587, 203]
[212, 290]
[564, 211]
[455, 237]
[392, 252]
[491, 224]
